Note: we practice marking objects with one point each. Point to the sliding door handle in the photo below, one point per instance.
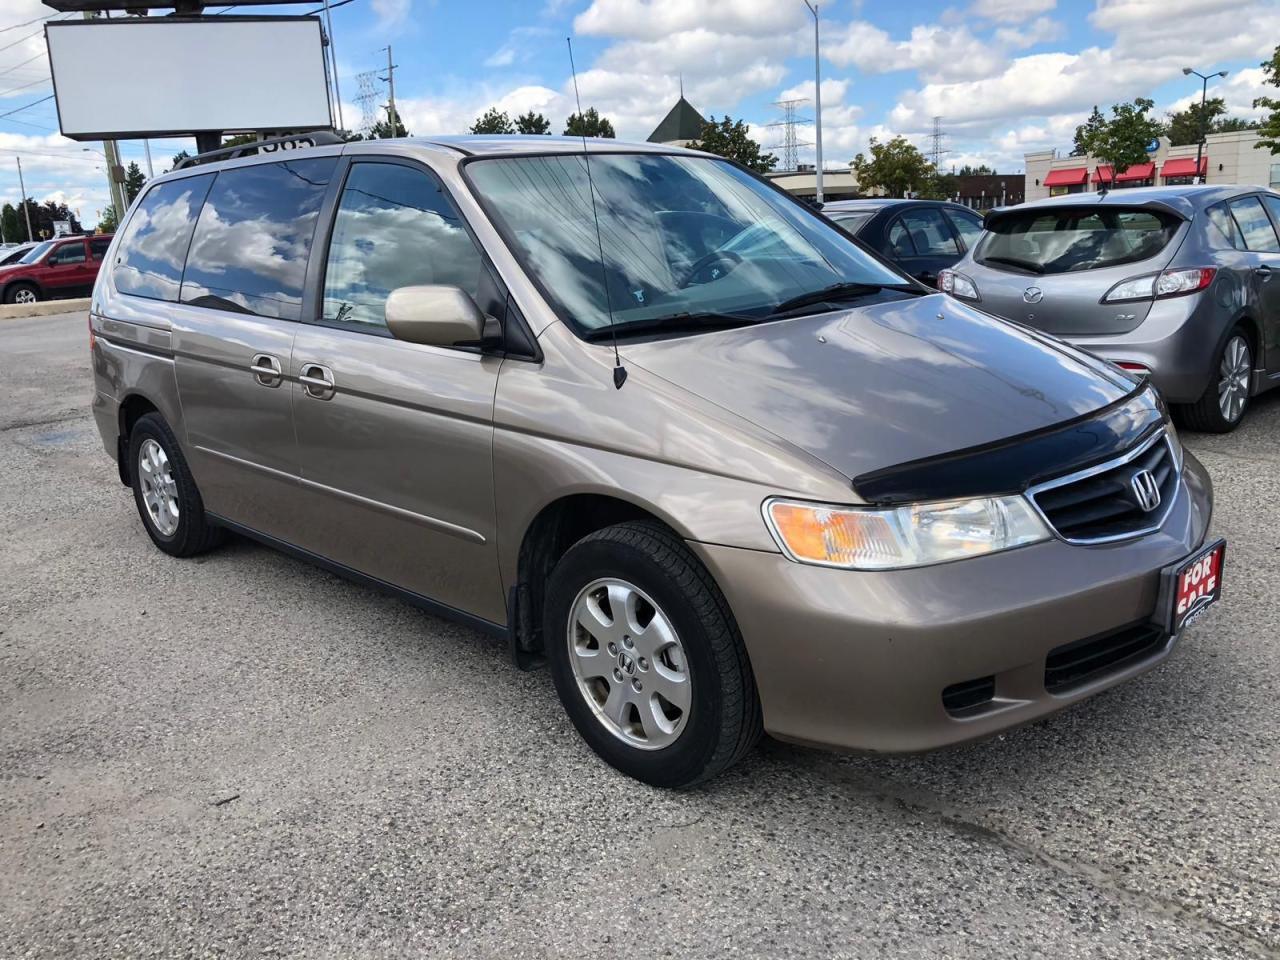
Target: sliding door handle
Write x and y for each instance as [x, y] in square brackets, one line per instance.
[266, 370]
[317, 380]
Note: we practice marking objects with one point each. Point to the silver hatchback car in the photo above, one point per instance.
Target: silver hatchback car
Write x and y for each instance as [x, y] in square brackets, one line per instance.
[1174, 282]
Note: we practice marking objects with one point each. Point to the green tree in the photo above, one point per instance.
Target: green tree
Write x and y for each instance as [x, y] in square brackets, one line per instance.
[1087, 131]
[107, 222]
[1122, 140]
[15, 231]
[1185, 126]
[381, 131]
[134, 181]
[729, 138]
[589, 123]
[178, 158]
[980, 170]
[493, 121]
[533, 123]
[895, 167]
[1269, 129]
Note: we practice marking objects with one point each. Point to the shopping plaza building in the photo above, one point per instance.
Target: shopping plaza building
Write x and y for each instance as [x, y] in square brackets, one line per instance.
[1226, 158]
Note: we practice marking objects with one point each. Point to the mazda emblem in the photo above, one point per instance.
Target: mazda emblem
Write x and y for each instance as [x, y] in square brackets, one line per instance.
[1146, 492]
[1033, 295]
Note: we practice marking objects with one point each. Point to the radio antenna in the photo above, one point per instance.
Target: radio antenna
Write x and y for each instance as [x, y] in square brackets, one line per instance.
[619, 371]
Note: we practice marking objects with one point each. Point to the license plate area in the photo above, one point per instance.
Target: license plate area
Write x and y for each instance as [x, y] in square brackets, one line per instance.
[1191, 587]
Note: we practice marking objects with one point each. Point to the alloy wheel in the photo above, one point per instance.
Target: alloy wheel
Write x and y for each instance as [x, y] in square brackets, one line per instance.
[25, 296]
[629, 664]
[159, 488]
[1233, 378]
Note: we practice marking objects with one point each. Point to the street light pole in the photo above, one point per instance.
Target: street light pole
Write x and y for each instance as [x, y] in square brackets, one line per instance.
[817, 102]
[1204, 120]
[26, 207]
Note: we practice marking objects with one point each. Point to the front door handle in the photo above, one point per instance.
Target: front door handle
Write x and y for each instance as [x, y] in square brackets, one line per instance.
[317, 380]
[266, 370]
[1264, 272]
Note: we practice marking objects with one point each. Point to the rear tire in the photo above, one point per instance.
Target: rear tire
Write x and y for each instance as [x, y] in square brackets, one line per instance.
[165, 492]
[22, 293]
[688, 651]
[1226, 399]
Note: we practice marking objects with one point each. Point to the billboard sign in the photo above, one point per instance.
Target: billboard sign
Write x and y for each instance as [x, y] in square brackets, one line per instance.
[134, 77]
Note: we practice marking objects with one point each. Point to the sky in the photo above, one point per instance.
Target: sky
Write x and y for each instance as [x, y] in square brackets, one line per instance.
[1006, 76]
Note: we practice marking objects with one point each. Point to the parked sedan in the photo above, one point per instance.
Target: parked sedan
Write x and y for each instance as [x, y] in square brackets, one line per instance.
[63, 267]
[923, 237]
[13, 252]
[1174, 282]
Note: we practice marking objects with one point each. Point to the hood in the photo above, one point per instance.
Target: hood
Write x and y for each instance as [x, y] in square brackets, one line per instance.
[874, 387]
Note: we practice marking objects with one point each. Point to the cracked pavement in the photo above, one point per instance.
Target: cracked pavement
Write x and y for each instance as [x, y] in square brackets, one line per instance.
[244, 755]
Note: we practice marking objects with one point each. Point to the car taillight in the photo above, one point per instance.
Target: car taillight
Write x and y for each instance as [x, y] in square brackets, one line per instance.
[957, 284]
[1159, 286]
[92, 340]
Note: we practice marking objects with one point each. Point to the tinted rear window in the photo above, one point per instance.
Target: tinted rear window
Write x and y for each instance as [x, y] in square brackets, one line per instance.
[851, 221]
[1066, 241]
[249, 253]
[149, 259]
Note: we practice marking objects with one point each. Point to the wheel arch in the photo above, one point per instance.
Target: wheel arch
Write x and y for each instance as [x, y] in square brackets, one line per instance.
[548, 536]
[28, 281]
[133, 406]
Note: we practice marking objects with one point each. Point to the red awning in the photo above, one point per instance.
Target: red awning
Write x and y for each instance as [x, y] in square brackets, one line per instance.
[1139, 171]
[1068, 177]
[1102, 174]
[1184, 167]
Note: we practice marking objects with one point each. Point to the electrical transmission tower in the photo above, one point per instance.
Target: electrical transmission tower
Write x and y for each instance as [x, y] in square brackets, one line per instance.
[936, 150]
[790, 145]
[367, 97]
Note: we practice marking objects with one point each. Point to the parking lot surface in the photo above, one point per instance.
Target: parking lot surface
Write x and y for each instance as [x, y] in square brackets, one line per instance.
[243, 755]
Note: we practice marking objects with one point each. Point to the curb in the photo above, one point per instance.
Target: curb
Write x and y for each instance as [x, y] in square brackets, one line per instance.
[46, 308]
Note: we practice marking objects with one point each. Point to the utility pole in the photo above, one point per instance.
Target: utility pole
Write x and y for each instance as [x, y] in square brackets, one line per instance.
[146, 145]
[817, 102]
[392, 116]
[333, 59]
[26, 208]
[1204, 121]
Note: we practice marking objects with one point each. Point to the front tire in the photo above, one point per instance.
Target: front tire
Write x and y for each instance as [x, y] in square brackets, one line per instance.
[647, 658]
[1226, 399]
[22, 293]
[165, 492]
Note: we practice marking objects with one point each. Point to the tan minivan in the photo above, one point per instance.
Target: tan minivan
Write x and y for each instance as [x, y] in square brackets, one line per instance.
[639, 413]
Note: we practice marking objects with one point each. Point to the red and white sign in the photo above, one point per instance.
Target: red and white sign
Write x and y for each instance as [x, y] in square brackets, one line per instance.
[1197, 585]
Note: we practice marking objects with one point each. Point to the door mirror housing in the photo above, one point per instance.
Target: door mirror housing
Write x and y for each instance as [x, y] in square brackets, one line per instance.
[435, 315]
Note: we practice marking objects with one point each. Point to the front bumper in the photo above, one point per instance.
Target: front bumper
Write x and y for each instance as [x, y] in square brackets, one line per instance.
[860, 660]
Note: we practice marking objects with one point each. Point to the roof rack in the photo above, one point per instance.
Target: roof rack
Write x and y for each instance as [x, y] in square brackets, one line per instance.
[317, 138]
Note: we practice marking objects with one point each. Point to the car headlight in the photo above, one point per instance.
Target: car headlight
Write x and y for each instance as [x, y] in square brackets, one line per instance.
[913, 535]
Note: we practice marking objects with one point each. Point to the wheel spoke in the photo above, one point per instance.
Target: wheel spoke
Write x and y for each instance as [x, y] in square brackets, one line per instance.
[656, 636]
[673, 687]
[615, 705]
[592, 663]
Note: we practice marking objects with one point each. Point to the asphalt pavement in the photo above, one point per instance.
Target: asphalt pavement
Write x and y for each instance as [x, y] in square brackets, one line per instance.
[243, 755]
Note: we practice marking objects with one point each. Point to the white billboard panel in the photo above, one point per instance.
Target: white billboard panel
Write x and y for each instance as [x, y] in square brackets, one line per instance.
[129, 78]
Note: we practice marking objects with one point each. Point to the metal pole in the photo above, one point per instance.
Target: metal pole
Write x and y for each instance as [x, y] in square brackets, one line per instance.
[392, 116]
[817, 102]
[118, 198]
[333, 59]
[25, 207]
[151, 172]
[1204, 91]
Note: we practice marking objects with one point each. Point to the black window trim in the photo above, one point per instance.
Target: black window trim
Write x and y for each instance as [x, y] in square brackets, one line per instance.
[951, 214]
[895, 220]
[1228, 204]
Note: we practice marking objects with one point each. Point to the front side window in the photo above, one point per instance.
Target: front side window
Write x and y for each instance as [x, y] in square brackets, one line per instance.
[395, 227]
[1255, 225]
[98, 247]
[68, 253]
[930, 233]
[154, 244]
[1066, 241]
[251, 243]
[36, 252]
[681, 237]
[899, 239]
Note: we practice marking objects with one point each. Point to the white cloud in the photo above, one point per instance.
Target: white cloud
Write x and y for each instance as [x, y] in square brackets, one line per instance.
[659, 19]
[1040, 30]
[940, 53]
[1010, 11]
[1238, 90]
[391, 13]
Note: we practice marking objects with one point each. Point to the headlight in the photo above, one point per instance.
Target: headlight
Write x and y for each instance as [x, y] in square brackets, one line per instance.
[866, 538]
[958, 285]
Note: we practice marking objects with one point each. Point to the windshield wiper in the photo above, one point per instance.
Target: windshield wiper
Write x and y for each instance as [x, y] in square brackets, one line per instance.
[674, 323]
[1020, 264]
[837, 292]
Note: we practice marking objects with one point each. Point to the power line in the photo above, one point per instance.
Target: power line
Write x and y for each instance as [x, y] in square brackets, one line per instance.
[22, 64]
[27, 23]
[26, 107]
[6, 93]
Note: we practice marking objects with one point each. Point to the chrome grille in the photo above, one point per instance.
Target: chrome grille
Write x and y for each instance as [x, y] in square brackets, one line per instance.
[1106, 502]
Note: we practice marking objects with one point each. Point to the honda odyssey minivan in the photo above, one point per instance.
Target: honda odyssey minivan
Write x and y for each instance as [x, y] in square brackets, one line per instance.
[639, 413]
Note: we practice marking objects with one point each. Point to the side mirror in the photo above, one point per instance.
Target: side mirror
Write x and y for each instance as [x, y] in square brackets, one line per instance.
[436, 315]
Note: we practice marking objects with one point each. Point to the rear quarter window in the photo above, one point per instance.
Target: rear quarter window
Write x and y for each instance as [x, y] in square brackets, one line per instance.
[154, 245]
[1066, 241]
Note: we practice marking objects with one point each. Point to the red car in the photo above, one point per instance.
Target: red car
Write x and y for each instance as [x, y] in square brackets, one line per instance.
[64, 267]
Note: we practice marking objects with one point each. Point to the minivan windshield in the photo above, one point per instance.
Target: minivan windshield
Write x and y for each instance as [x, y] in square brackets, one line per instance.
[1043, 241]
[36, 252]
[686, 241]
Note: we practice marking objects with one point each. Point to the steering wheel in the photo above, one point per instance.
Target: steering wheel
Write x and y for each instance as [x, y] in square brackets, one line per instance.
[710, 267]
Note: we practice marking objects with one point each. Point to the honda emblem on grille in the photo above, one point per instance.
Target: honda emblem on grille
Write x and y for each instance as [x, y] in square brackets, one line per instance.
[1146, 492]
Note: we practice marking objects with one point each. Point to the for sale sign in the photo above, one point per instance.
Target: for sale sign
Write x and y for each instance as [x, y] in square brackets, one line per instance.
[1196, 585]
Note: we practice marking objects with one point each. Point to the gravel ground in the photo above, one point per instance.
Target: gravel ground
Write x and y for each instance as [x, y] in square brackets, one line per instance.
[242, 755]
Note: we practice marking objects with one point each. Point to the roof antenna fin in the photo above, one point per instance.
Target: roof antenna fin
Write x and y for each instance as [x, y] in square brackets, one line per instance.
[619, 371]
